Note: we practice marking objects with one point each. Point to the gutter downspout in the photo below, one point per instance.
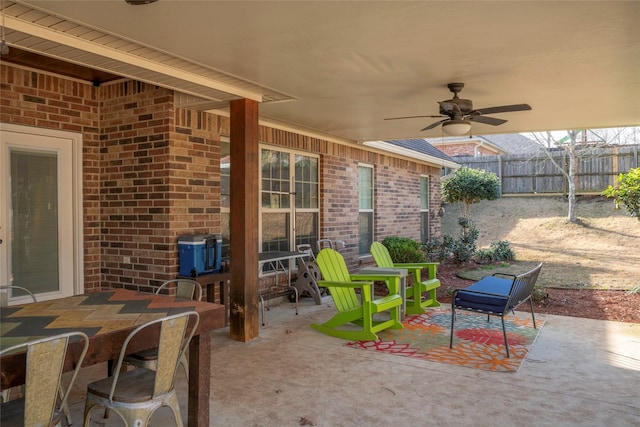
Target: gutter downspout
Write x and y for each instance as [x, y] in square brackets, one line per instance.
[475, 149]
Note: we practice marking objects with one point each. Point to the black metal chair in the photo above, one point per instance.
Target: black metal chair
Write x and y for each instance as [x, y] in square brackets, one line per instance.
[496, 296]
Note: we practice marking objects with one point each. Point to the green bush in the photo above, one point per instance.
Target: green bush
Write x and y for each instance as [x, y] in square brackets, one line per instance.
[468, 186]
[439, 249]
[627, 192]
[484, 254]
[465, 247]
[497, 251]
[403, 249]
[461, 250]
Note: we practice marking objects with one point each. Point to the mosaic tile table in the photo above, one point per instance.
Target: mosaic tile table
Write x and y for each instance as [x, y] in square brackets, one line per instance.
[107, 317]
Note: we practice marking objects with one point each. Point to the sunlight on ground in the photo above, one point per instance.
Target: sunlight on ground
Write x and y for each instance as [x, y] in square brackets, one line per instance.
[596, 260]
[624, 351]
[599, 252]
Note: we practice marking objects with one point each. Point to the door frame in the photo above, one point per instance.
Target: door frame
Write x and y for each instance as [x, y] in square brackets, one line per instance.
[75, 139]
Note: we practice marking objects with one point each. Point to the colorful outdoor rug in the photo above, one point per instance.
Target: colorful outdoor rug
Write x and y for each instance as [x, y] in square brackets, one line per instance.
[476, 343]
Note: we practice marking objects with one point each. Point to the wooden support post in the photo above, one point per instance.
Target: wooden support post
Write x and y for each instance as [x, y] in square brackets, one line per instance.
[245, 161]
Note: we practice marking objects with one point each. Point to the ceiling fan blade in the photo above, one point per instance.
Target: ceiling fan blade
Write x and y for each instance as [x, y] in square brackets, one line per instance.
[411, 117]
[487, 120]
[432, 125]
[503, 109]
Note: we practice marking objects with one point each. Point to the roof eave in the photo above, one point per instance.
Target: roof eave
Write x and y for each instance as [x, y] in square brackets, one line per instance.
[412, 154]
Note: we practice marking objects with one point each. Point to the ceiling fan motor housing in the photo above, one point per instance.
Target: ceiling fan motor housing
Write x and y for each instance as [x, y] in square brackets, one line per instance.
[464, 106]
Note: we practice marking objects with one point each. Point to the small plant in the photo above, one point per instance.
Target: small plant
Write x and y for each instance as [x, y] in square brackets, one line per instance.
[465, 247]
[403, 249]
[484, 254]
[502, 251]
[497, 251]
[439, 249]
[539, 295]
[461, 250]
[635, 290]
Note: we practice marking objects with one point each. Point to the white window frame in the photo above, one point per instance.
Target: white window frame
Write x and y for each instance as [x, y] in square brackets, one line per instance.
[225, 209]
[371, 210]
[292, 187]
[425, 197]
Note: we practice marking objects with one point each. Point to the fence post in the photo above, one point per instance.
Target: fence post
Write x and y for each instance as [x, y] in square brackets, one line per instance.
[500, 173]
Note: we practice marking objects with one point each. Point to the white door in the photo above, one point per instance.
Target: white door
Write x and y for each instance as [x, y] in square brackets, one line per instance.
[38, 249]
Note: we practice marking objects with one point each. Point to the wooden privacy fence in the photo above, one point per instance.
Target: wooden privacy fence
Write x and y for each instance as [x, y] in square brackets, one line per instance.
[596, 169]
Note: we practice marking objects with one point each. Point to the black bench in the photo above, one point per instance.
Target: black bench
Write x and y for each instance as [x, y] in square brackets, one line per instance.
[496, 295]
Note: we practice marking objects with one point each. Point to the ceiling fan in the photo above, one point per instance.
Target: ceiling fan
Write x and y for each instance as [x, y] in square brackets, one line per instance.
[459, 113]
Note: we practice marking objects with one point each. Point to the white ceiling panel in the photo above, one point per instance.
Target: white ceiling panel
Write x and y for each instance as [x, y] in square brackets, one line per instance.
[343, 67]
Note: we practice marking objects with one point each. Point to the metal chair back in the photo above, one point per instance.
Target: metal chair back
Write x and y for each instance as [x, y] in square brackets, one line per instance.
[324, 244]
[45, 358]
[185, 288]
[5, 290]
[136, 394]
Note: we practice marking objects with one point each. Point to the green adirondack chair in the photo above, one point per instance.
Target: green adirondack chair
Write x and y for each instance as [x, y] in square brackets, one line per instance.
[414, 299]
[353, 309]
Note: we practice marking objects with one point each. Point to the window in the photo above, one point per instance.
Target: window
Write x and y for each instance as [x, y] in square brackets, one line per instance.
[289, 208]
[424, 208]
[279, 204]
[307, 200]
[275, 206]
[225, 195]
[365, 208]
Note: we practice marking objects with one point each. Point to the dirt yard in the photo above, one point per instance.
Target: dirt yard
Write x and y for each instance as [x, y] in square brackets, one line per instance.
[588, 266]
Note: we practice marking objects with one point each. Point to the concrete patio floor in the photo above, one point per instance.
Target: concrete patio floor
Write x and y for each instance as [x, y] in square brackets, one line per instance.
[580, 372]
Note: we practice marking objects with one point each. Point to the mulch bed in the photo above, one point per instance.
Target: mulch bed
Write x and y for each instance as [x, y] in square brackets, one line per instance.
[619, 306]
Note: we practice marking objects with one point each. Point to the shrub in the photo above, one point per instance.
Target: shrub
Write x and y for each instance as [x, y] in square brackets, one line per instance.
[484, 254]
[461, 250]
[539, 295]
[465, 247]
[497, 251]
[439, 249]
[468, 186]
[627, 192]
[403, 249]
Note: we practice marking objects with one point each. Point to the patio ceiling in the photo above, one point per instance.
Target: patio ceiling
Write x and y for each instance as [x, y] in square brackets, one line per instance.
[338, 69]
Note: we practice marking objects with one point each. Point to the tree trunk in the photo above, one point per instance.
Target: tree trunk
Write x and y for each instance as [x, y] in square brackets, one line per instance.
[572, 188]
[571, 151]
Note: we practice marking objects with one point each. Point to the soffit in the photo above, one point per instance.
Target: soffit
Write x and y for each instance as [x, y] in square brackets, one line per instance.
[339, 68]
[37, 32]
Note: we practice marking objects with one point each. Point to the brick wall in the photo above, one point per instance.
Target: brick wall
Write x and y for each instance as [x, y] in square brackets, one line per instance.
[30, 98]
[397, 191]
[339, 203]
[151, 173]
[137, 124]
[466, 149]
[160, 180]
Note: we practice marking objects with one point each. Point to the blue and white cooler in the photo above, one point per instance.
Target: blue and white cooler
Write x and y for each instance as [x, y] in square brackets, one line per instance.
[200, 254]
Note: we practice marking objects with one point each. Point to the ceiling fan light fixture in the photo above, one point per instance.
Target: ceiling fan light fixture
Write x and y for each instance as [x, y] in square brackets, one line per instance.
[139, 2]
[456, 127]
